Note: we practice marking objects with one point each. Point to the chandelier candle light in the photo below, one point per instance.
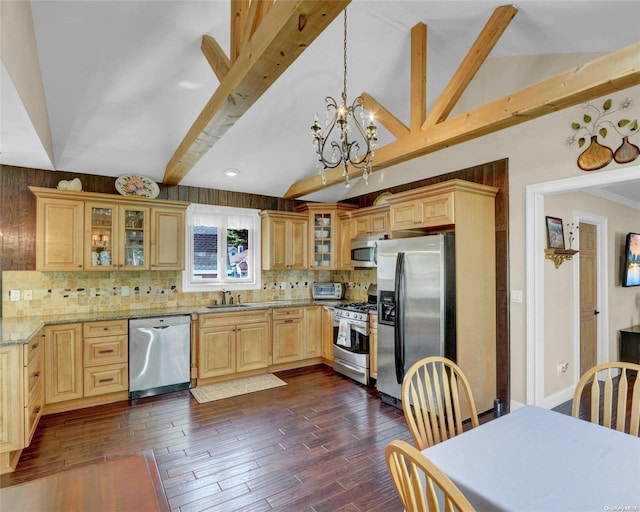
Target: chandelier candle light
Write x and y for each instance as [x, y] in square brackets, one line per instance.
[343, 150]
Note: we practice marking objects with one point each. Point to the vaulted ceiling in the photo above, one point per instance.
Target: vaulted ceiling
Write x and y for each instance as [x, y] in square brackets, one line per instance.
[123, 82]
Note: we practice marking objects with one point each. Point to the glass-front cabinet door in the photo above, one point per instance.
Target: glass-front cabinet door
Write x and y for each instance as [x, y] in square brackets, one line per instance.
[134, 252]
[118, 237]
[322, 239]
[101, 221]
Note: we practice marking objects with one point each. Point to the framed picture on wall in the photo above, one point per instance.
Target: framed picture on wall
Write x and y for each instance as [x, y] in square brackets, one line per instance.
[555, 233]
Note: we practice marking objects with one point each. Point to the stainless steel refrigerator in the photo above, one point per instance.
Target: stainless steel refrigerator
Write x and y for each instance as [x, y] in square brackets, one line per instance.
[416, 306]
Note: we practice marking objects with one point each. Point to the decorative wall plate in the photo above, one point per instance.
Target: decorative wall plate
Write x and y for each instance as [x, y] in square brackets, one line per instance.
[382, 198]
[136, 185]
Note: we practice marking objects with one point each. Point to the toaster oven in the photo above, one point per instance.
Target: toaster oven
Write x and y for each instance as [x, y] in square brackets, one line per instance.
[332, 291]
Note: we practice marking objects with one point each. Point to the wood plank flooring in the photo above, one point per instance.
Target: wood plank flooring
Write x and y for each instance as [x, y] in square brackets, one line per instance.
[316, 444]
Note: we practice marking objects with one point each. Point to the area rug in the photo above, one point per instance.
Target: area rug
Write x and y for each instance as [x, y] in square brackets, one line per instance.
[236, 387]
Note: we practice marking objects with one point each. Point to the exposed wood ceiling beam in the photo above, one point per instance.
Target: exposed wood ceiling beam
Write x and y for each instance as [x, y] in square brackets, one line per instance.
[239, 13]
[286, 30]
[470, 65]
[616, 71]
[215, 56]
[396, 127]
[418, 90]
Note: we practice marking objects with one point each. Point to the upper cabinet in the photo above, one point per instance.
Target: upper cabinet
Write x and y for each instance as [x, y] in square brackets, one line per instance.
[324, 236]
[90, 231]
[284, 240]
[372, 221]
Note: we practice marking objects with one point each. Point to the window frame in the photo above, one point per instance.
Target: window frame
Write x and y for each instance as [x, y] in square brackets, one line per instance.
[220, 217]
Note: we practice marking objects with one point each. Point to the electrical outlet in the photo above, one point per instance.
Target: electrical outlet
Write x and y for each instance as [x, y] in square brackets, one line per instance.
[562, 368]
[14, 295]
[124, 291]
[283, 285]
[27, 295]
[516, 295]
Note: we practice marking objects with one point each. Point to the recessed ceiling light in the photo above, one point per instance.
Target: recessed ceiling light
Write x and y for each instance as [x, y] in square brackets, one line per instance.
[232, 173]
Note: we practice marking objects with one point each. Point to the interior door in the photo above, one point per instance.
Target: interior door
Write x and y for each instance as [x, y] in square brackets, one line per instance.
[588, 297]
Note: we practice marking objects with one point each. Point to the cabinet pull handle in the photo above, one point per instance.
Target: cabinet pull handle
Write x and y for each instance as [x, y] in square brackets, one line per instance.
[106, 380]
[288, 321]
[105, 328]
[105, 351]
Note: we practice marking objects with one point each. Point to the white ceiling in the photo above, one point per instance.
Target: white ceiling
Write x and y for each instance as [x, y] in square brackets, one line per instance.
[124, 80]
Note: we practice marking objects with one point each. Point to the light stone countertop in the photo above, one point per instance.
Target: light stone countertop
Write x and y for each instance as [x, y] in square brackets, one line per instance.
[20, 330]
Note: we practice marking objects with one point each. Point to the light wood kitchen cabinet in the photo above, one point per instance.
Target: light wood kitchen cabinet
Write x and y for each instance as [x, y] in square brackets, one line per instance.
[59, 234]
[167, 238]
[106, 356]
[312, 332]
[285, 238]
[324, 234]
[116, 237]
[417, 211]
[92, 231]
[373, 346]
[22, 393]
[347, 232]
[327, 333]
[288, 334]
[12, 393]
[467, 209]
[371, 221]
[63, 363]
[232, 343]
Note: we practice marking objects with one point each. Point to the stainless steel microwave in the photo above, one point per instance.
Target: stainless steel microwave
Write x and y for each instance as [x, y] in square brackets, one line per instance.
[364, 251]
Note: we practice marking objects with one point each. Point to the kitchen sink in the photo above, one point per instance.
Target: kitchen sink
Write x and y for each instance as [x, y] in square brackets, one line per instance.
[219, 306]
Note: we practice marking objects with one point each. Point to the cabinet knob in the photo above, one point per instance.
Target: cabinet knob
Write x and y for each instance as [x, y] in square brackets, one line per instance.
[36, 374]
[34, 346]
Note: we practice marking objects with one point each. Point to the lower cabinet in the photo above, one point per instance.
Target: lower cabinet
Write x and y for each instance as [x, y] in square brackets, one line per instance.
[312, 332]
[86, 360]
[233, 343]
[22, 392]
[288, 334]
[106, 355]
[63, 363]
[327, 333]
[373, 346]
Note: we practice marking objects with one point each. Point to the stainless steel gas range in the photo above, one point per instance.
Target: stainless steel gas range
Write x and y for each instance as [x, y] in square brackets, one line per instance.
[351, 340]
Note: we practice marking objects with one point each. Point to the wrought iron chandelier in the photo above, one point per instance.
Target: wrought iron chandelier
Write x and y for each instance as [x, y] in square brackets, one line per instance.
[338, 130]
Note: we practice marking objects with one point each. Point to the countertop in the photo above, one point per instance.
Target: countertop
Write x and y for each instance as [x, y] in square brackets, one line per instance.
[20, 330]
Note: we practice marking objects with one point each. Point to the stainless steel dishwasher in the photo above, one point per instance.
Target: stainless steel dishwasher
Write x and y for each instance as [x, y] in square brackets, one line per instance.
[159, 355]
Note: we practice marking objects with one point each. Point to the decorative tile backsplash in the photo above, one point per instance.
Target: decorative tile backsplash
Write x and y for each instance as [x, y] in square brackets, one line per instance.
[61, 293]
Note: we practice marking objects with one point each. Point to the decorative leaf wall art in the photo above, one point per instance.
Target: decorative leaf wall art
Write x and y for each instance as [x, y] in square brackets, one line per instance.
[596, 122]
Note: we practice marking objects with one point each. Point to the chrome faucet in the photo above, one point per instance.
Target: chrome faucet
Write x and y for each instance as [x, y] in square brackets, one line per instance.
[224, 296]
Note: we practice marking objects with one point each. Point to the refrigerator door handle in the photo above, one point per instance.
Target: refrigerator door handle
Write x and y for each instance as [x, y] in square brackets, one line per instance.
[398, 328]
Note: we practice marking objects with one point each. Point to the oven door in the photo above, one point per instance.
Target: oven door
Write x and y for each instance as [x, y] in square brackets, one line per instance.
[351, 335]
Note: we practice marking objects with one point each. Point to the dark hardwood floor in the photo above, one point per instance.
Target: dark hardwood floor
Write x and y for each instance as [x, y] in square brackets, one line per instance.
[316, 444]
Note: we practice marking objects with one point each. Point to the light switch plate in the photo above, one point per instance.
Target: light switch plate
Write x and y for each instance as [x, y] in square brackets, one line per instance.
[14, 295]
[516, 295]
[124, 291]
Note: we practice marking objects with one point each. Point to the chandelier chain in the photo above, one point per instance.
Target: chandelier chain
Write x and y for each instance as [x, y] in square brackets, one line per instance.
[344, 87]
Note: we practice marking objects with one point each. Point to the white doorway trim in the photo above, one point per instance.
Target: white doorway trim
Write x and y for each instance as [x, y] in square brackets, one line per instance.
[602, 298]
[534, 266]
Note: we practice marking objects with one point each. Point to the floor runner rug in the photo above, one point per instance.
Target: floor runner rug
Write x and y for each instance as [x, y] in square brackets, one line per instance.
[236, 387]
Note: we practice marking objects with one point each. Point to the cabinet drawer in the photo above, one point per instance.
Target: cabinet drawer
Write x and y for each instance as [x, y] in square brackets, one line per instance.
[223, 318]
[33, 348]
[286, 313]
[33, 378]
[106, 379]
[106, 350]
[32, 414]
[105, 328]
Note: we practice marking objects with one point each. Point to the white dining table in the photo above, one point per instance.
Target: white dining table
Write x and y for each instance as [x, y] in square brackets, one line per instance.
[538, 460]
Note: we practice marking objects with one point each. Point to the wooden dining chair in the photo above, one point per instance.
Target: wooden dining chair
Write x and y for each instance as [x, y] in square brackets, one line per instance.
[421, 485]
[602, 396]
[436, 398]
